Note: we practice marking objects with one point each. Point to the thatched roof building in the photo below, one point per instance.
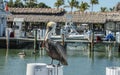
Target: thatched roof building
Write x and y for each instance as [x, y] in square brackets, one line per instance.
[59, 15]
[88, 17]
[37, 14]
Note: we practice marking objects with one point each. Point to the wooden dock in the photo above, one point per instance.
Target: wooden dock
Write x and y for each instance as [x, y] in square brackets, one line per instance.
[59, 40]
[20, 41]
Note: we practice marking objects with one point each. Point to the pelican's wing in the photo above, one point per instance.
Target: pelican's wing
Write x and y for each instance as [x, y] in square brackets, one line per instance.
[60, 50]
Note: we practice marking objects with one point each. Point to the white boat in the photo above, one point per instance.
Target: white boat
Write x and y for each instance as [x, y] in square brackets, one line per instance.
[56, 36]
[76, 46]
[75, 36]
[69, 33]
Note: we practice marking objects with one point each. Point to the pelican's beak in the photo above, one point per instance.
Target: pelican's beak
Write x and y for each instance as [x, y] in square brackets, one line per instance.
[49, 28]
[47, 31]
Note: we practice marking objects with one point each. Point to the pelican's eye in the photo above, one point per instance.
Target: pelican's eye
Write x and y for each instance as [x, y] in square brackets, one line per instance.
[49, 28]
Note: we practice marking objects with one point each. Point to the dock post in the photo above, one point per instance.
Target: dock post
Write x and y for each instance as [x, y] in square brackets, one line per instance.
[41, 48]
[7, 39]
[110, 50]
[43, 69]
[92, 41]
[112, 70]
[119, 47]
[90, 53]
[63, 42]
[89, 47]
[35, 40]
[7, 42]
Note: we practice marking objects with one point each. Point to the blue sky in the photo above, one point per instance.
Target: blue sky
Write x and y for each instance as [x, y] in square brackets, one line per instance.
[102, 3]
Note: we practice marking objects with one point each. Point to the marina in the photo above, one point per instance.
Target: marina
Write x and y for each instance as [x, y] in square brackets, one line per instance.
[20, 41]
[80, 62]
[40, 40]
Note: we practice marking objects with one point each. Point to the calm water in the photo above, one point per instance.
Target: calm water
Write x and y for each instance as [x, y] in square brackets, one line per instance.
[80, 62]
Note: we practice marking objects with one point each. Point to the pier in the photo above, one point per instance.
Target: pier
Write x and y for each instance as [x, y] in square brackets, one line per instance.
[58, 40]
[22, 42]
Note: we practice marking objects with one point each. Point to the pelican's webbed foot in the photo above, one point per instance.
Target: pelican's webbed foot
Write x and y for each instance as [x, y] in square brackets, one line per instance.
[52, 63]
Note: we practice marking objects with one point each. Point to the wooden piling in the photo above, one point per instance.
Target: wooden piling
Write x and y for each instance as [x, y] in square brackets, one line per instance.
[35, 40]
[92, 41]
[63, 41]
[89, 47]
[119, 47]
[7, 39]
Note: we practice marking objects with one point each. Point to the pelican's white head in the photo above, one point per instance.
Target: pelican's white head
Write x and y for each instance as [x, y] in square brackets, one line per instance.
[51, 26]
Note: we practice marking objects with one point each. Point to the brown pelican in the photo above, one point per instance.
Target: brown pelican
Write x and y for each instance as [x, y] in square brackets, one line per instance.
[54, 49]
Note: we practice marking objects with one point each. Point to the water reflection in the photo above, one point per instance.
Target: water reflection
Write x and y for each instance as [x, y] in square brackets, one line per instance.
[80, 62]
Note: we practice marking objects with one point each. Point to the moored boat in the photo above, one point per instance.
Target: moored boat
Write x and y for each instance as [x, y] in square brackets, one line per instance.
[69, 32]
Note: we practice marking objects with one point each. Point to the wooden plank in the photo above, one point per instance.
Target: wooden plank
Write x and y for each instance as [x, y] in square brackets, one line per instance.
[40, 40]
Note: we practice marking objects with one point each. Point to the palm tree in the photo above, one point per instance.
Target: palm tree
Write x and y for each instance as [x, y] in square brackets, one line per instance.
[103, 9]
[73, 3]
[34, 1]
[83, 6]
[10, 3]
[112, 9]
[31, 4]
[94, 2]
[58, 3]
[42, 5]
[18, 3]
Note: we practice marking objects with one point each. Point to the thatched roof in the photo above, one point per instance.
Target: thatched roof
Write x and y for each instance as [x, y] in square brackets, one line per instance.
[88, 17]
[37, 18]
[59, 15]
[112, 16]
[36, 10]
[37, 14]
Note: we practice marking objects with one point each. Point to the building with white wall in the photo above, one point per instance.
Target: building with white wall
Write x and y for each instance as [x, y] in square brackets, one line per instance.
[3, 19]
